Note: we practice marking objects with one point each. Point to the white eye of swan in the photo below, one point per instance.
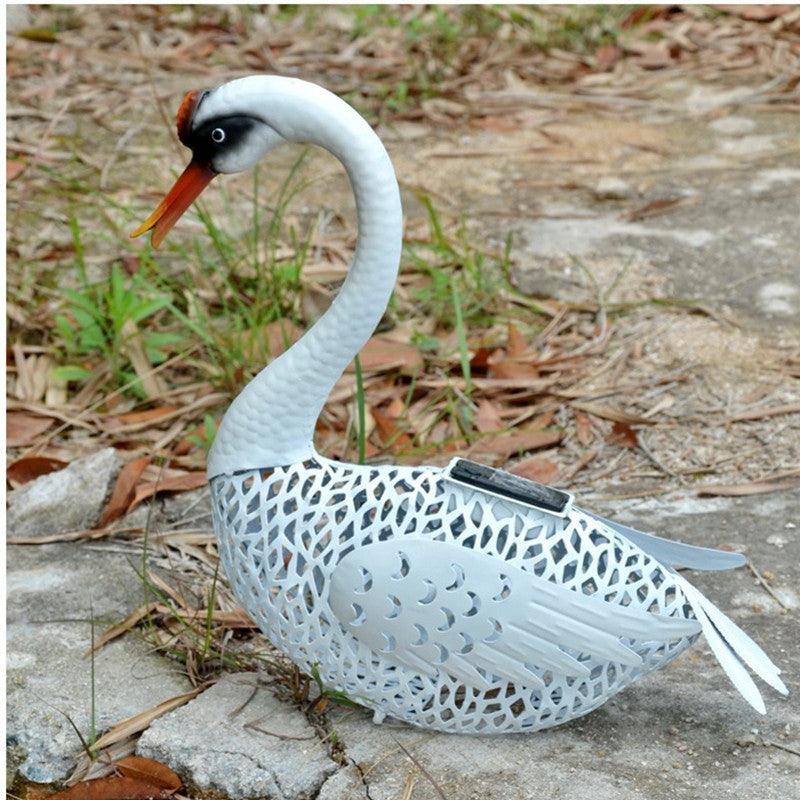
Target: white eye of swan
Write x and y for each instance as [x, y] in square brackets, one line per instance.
[218, 135]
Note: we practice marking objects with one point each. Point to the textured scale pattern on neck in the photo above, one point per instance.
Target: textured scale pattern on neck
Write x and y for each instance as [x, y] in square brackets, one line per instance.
[295, 543]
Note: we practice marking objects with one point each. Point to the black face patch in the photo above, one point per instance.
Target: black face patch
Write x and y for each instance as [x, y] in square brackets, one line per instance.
[218, 136]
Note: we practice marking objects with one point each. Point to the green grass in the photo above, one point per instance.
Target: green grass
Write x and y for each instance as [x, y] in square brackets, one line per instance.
[439, 257]
[97, 318]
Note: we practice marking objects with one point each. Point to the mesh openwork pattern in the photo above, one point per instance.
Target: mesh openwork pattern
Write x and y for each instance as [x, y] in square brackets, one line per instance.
[321, 555]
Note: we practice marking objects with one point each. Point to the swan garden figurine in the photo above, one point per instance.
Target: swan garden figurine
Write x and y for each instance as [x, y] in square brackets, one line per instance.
[460, 598]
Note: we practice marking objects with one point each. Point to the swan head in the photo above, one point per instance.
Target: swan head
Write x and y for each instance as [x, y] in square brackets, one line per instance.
[225, 136]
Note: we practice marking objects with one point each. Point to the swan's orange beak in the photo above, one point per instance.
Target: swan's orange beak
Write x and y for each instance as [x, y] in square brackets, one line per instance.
[187, 188]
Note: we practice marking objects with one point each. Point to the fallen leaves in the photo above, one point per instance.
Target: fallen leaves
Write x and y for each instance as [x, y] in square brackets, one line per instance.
[608, 412]
[113, 788]
[27, 469]
[134, 778]
[537, 469]
[623, 435]
[180, 481]
[762, 413]
[388, 351]
[141, 721]
[139, 480]
[746, 489]
[504, 445]
[661, 205]
[488, 418]
[759, 13]
[23, 429]
[14, 168]
[158, 613]
[390, 428]
[779, 482]
[607, 57]
[124, 491]
[132, 345]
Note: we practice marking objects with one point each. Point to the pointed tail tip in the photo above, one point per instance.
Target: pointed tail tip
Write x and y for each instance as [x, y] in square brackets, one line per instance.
[734, 649]
[756, 703]
[778, 685]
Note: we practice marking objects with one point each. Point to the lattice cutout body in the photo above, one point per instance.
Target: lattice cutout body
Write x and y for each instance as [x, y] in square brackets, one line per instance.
[441, 605]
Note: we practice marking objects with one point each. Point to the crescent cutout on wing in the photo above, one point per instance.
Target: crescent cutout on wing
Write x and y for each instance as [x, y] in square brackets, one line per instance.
[430, 605]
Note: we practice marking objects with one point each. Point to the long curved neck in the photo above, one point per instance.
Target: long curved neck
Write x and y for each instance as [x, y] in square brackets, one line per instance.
[272, 421]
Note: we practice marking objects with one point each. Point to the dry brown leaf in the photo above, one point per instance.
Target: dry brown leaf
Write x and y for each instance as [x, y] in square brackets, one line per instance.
[147, 769]
[14, 168]
[622, 435]
[384, 352]
[746, 489]
[113, 787]
[508, 444]
[516, 343]
[392, 435]
[282, 334]
[235, 618]
[607, 57]
[480, 359]
[642, 14]
[583, 427]
[606, 412]
[653, 55]
[760, 13]
[131, 263]
[513, 370]
[138, 722]
[760, 413]
[133, 619]
[499, 124]
[27, 469]
[536, 469]
[124, 490]
[487, 417]
[184, 482]
[150, 415]
[22, 428]
[659, 206]
[132, 344]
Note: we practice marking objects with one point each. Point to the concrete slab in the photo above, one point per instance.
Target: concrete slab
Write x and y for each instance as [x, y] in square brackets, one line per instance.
[53, 592]
[239, 740]
[730, 240]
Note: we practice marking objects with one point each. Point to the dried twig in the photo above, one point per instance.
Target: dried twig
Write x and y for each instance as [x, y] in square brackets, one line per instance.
[763, 582]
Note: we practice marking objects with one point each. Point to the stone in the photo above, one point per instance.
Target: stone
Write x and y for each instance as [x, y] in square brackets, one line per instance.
[732, 126]
[610, 187]
[68, 500]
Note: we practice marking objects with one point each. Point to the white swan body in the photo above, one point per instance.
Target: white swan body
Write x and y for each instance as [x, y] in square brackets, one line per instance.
[425, 597]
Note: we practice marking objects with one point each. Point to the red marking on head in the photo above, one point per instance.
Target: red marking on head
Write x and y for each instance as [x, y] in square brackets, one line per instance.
[185, 114]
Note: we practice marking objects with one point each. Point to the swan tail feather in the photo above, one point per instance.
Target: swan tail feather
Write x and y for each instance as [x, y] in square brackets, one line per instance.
[733, 648]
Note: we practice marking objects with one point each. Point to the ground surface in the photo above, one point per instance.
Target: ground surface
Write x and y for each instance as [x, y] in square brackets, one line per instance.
[678, 188]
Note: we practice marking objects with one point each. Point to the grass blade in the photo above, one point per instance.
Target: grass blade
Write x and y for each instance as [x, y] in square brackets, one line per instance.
[361, 407]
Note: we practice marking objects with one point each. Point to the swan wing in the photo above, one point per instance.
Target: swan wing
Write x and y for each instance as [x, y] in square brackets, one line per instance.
[431, 605]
